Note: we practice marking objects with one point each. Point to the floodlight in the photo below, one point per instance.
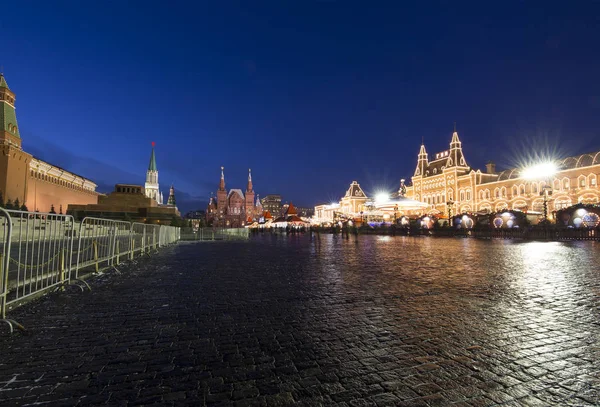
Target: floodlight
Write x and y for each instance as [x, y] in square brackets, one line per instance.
[538, 171]
[381, 197]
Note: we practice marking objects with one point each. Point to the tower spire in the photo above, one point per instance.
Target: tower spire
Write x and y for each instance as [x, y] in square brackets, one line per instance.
[222, 183]
[151, 187]
[171, 200]
[422, 161]
[249, 187]
[455, 155]
[152, 165]
[9, 130]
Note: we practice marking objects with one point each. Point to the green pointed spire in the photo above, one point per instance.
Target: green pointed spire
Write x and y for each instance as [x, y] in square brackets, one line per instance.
[152, 165]
[8, 117]
[3, 83]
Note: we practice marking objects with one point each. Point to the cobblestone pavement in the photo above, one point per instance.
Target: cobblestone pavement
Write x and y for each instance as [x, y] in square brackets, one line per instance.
[373, 321]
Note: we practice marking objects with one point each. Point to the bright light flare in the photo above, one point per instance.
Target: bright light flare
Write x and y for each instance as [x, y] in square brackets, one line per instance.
[381, 197]
[543, 170]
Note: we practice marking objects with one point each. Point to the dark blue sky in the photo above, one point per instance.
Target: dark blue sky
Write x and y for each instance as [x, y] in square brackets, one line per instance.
[310, 95]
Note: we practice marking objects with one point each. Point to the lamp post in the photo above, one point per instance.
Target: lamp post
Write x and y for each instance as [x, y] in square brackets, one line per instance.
[37, 168]
[541, 171]
[449, 206]
[545, 192]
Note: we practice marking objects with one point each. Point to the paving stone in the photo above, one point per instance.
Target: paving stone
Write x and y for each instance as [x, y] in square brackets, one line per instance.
[284, 320]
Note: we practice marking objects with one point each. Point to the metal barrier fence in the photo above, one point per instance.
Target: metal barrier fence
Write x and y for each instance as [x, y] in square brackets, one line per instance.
[43, 251]
[220, 233]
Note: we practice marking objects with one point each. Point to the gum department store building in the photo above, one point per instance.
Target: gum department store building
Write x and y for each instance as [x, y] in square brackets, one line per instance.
[449, 183]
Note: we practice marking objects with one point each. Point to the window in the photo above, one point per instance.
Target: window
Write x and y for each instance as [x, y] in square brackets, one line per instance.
[582, 181]
[462, 195]
[515, 191]
[534, 188]
[522, 189]
[565, 183]
[468, 194]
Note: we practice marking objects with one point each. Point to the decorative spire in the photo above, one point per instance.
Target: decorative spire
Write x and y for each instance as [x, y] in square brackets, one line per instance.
[455, 155]
[222, 183]
[171, 200]
[3, 83]
[249, 187]
[422, 162]
[152, 165]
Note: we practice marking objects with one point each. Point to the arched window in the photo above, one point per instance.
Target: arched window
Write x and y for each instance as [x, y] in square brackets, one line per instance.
[534, 188]
[462, 195]
[503, 192]
[592, 180]
[582, 181]
[515, 190]
[497, 193]
[565, 183]
[468, 194]
[522, 189]
[556, 185]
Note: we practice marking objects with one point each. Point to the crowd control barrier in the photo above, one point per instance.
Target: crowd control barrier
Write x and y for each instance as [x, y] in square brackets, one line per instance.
[43, 251]
[214, 233]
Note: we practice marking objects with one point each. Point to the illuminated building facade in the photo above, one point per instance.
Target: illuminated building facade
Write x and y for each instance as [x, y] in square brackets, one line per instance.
[272, 203]
[351, 205]
[33, 182]
[448, 185]
[233, 208]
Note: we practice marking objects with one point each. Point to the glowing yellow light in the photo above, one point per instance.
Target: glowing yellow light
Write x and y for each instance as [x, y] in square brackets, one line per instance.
[381, 197]
[543, 170]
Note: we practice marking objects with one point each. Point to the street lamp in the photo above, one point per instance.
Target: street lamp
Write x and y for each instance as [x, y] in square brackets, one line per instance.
[542, 171]
[449, 205]
[545, 192]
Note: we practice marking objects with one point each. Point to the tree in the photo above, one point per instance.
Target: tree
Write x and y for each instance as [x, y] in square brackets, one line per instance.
[24, 208]
[9, 204]
[17, 204]
[60, 209]
[52, 209]
[1, 200]
[176, 221]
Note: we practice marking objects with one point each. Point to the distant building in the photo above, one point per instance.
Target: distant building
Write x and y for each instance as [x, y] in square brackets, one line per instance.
[133, 202]
[305, 212]
[272, 203]
[197, 218]
[198, 214]
[234, 208]
[350, 205]
[448, 185]
[127, 202]
[38, 184]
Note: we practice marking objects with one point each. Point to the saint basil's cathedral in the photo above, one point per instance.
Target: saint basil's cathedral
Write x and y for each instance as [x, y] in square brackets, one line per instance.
[234, 209]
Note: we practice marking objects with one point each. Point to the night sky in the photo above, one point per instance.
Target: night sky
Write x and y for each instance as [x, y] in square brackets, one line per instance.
[310, 95]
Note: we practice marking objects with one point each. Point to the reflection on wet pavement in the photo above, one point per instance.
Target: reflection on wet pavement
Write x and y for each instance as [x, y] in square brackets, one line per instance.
[326, 320]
